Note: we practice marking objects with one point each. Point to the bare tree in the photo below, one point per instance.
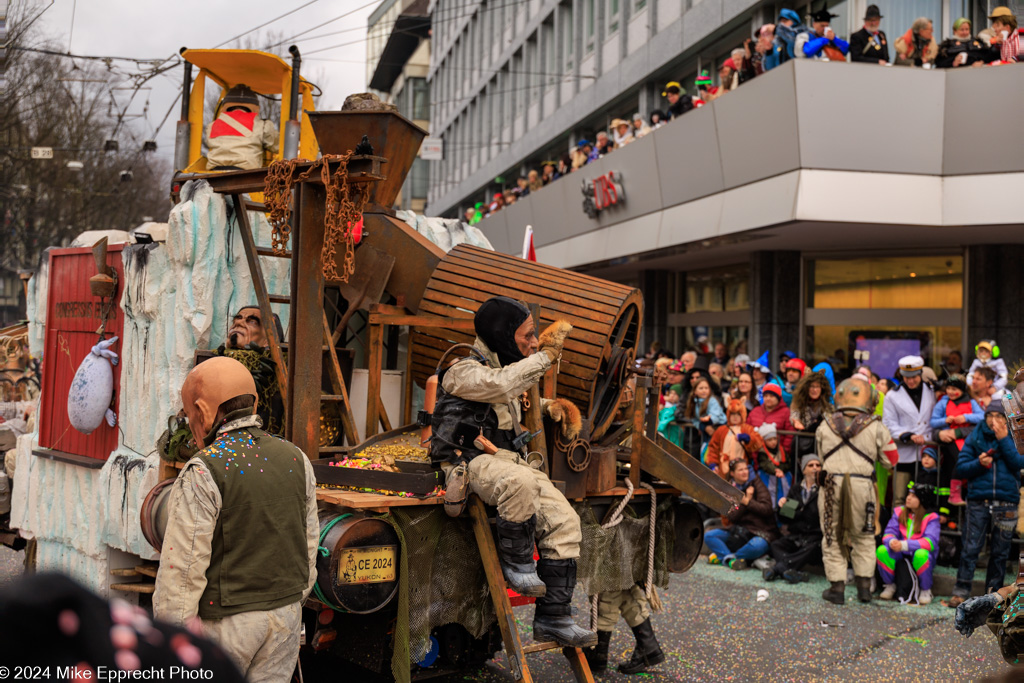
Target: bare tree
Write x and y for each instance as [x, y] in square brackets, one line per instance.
[56, 101]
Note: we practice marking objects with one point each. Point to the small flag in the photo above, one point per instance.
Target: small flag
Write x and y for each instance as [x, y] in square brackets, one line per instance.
[528, 253]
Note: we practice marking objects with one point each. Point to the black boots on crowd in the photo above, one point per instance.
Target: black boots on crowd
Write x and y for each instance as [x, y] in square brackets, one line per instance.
[515, 550]
[646, 654]
[552, 618]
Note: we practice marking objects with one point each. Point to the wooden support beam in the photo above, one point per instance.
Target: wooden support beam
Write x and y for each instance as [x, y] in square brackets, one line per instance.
[348, 420]
[305, 340]
[671, 464]
[375, 351]
[639, 422]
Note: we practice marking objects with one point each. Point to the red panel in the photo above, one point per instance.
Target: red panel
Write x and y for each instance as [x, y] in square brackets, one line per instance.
[72, 319]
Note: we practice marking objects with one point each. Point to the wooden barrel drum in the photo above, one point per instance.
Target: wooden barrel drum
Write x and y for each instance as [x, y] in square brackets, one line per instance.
[606, 320]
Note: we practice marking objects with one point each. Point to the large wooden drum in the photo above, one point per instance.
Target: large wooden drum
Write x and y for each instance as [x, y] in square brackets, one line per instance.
[606, 320]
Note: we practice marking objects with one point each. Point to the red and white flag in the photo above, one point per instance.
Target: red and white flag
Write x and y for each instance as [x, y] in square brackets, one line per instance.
[528, 253]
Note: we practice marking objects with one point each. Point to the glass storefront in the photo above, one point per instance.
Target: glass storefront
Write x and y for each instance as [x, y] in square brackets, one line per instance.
[873, 310]
[712, 303]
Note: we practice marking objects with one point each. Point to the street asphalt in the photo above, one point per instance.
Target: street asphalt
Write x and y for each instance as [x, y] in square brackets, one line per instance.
[712, 628]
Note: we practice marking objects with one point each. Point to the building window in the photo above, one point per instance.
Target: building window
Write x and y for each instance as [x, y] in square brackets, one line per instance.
[566, 25]
[639, 5]
[886, 282]
[589, 23]
[420, 90]
[547, 44]
[713, 303]
[614, 15]
[419, 177]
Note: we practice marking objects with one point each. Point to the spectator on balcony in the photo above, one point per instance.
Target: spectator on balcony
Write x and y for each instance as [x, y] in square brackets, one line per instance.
[549, 172]
[604, 145]
[764, 49]
[523, 185]
[870, 44]
[497, 203]
[622, 133]
[565, 166]
[469, 215]
[749, 60]
[822, 43]
[961, 49]
[917, 46]
[533, 181]
[1005, 38]
[581, 156]
[706, 88]
[678, 101]
[658, 119]
[640, 127]
[787, 30]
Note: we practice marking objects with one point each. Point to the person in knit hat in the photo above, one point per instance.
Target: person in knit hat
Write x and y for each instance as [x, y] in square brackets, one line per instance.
[775, 411]
[912, 533]
[772, 465]
[798, 513]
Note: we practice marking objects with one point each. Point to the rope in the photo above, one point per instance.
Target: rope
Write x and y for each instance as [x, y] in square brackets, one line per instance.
[324, 552]
[649, 587]
[613, 521]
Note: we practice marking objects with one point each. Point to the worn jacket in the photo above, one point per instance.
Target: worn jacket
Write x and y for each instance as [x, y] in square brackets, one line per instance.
[193, 508]
[812, 46]
[757, 516]
[873, 441]
[499, 386]
[238, 138]
[944, 408]
[904, 419]
[999, 482]
[806, 521]
[869, 48]
[907, 54]
[926, 536]
[713, 455]
[951, 48]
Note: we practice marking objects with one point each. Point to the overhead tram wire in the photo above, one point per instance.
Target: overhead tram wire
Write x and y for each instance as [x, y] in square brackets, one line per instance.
[266, 23]
[329, 21]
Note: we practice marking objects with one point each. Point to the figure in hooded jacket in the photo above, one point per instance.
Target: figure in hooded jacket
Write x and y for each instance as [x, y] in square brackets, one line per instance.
[480, 396]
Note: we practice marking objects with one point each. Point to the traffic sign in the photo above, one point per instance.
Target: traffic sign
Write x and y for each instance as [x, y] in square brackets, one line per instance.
[42, 152]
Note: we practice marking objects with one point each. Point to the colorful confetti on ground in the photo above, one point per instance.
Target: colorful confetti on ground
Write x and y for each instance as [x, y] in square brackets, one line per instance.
[713, 628]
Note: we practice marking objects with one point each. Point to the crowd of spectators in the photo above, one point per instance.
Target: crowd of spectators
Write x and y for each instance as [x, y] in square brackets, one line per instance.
[753, 423]
[771, 46]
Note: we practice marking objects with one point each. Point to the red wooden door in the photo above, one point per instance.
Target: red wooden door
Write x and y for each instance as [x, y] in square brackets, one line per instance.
[73, 315]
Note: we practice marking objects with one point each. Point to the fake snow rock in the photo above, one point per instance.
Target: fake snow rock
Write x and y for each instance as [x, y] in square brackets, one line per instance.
[93, 388]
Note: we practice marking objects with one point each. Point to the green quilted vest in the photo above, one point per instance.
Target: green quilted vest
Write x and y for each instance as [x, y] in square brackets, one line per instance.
[260, 557]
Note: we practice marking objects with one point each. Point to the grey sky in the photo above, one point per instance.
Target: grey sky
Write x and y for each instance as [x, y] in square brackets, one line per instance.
[154, 29]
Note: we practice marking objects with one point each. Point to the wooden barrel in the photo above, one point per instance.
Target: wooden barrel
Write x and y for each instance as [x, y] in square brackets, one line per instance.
[606, 320]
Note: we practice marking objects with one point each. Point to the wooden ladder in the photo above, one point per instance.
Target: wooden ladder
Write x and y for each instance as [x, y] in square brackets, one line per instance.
[264, 299]
[515, 653]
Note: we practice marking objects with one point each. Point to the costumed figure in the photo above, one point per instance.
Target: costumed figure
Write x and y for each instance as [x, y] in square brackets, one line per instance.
[907, 413]
[912, 535]
[735, 440]
[850, 442]
[1002, 612]
[247, 343]
[479, 396]
[240, 547]
[238, 137]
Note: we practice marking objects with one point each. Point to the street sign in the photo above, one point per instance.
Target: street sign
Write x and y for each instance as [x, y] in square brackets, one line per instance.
[42, 152]
[432, 149]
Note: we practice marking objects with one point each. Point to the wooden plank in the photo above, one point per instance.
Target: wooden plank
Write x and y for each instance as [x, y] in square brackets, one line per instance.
[147, 570]
[497, 261]
[385, 422]
[558, 279]
[262, 298]
[134, 587]
[579, 664]
[639, 408]
[407, 389]
[375, 349]
[496, 582]
[306, 331]
[540, 647]
[348, 420]
[124, 572]
[364, 501]
[676, 467]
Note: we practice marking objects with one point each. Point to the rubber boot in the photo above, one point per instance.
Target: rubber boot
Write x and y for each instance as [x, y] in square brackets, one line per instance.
[863, 588]
[836, 593]
[552, 618]
[597, 656]
[647, 652]
[956, 492]
[515, 550]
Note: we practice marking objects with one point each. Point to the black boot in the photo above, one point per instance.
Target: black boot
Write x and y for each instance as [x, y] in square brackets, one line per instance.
[647, 652]
[597, 656]
[836, 593]
[515, 550]
[552, 618]
[863, 588]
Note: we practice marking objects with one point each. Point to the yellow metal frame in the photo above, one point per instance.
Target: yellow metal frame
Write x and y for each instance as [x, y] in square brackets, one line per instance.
[265, 73]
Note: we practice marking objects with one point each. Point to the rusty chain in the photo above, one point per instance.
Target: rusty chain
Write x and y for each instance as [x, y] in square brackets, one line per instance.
[342, 211]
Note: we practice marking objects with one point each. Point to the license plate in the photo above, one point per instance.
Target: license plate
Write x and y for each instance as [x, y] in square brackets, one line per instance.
[368, 565]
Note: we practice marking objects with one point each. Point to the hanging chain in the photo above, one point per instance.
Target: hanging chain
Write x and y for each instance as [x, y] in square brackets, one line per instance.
[342, 211]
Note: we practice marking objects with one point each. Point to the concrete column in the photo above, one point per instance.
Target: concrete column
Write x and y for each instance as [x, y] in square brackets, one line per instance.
[774, 303]
[655, 287]
[995, 307]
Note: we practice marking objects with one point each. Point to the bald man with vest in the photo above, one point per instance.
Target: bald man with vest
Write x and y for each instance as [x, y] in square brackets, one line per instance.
[239, 552]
